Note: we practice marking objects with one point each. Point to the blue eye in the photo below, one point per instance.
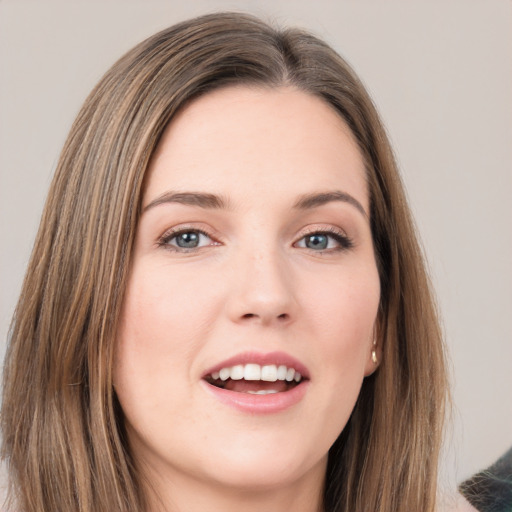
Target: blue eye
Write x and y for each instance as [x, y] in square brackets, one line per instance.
[322, 241]
[317, 241]
[186, 239]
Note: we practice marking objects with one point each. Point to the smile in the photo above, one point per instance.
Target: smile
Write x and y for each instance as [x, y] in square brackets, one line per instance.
[255, 379]
[258, 383]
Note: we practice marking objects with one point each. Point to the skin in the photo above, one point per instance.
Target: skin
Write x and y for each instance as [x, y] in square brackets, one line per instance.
[252, 284]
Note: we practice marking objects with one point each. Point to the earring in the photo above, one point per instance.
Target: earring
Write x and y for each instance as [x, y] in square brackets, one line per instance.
[374, 352]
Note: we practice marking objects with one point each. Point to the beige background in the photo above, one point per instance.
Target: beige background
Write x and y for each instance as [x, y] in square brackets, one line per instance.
[441, 75]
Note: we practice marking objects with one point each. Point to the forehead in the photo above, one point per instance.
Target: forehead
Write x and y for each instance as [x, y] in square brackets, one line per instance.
[249, 141]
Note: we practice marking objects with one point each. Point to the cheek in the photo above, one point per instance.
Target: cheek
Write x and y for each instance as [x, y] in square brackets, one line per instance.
[342, 314]
[162, 319]
[346, 304]
[165, 310]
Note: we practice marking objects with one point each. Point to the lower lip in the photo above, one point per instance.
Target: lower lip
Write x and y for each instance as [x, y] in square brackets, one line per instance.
[259, 404]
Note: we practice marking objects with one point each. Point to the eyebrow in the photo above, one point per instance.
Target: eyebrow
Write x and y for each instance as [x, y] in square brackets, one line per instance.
[215, 202]
[315, 200]
[203, 200]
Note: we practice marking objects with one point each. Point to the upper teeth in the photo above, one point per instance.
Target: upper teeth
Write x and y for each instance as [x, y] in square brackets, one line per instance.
[268, 373]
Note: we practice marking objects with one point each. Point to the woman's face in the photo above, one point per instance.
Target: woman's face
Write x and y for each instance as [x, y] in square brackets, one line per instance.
[253, 263]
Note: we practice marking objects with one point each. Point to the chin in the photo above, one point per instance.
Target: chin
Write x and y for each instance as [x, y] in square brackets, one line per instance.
[258, 465]
[268, 474]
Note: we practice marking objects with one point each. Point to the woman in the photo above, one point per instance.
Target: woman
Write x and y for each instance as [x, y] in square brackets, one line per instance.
[226, 305]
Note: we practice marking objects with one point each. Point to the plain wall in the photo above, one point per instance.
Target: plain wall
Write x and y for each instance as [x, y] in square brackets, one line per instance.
[440, 73]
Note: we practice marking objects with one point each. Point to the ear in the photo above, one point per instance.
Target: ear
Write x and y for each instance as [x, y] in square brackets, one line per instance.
[374, 356]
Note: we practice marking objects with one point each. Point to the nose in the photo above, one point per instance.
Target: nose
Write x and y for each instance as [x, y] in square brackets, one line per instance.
[262, 290]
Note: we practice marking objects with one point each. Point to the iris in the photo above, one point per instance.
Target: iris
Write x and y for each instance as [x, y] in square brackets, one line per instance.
[317, 241]
[187, 240]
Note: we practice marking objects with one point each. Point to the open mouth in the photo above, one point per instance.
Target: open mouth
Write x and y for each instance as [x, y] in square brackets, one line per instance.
[255, 379]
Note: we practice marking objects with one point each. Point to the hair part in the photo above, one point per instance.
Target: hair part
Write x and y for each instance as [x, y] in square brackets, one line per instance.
[63, 431]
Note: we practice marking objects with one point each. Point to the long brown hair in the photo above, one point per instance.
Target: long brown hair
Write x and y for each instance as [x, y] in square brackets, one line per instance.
[63, 434]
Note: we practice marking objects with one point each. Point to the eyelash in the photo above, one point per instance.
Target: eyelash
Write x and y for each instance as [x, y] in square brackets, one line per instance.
[167, 237]
[343, 241]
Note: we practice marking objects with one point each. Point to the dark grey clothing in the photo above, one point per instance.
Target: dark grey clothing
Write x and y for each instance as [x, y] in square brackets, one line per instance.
[491, 489]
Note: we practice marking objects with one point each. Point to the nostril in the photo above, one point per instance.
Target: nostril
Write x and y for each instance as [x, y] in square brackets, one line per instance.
[282, 316]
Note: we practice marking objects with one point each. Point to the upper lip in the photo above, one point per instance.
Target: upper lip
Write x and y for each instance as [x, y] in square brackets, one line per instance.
[277, 358]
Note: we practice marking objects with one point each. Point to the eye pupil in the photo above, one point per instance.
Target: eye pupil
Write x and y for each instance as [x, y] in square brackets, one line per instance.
[187, 240]
[317, 241]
